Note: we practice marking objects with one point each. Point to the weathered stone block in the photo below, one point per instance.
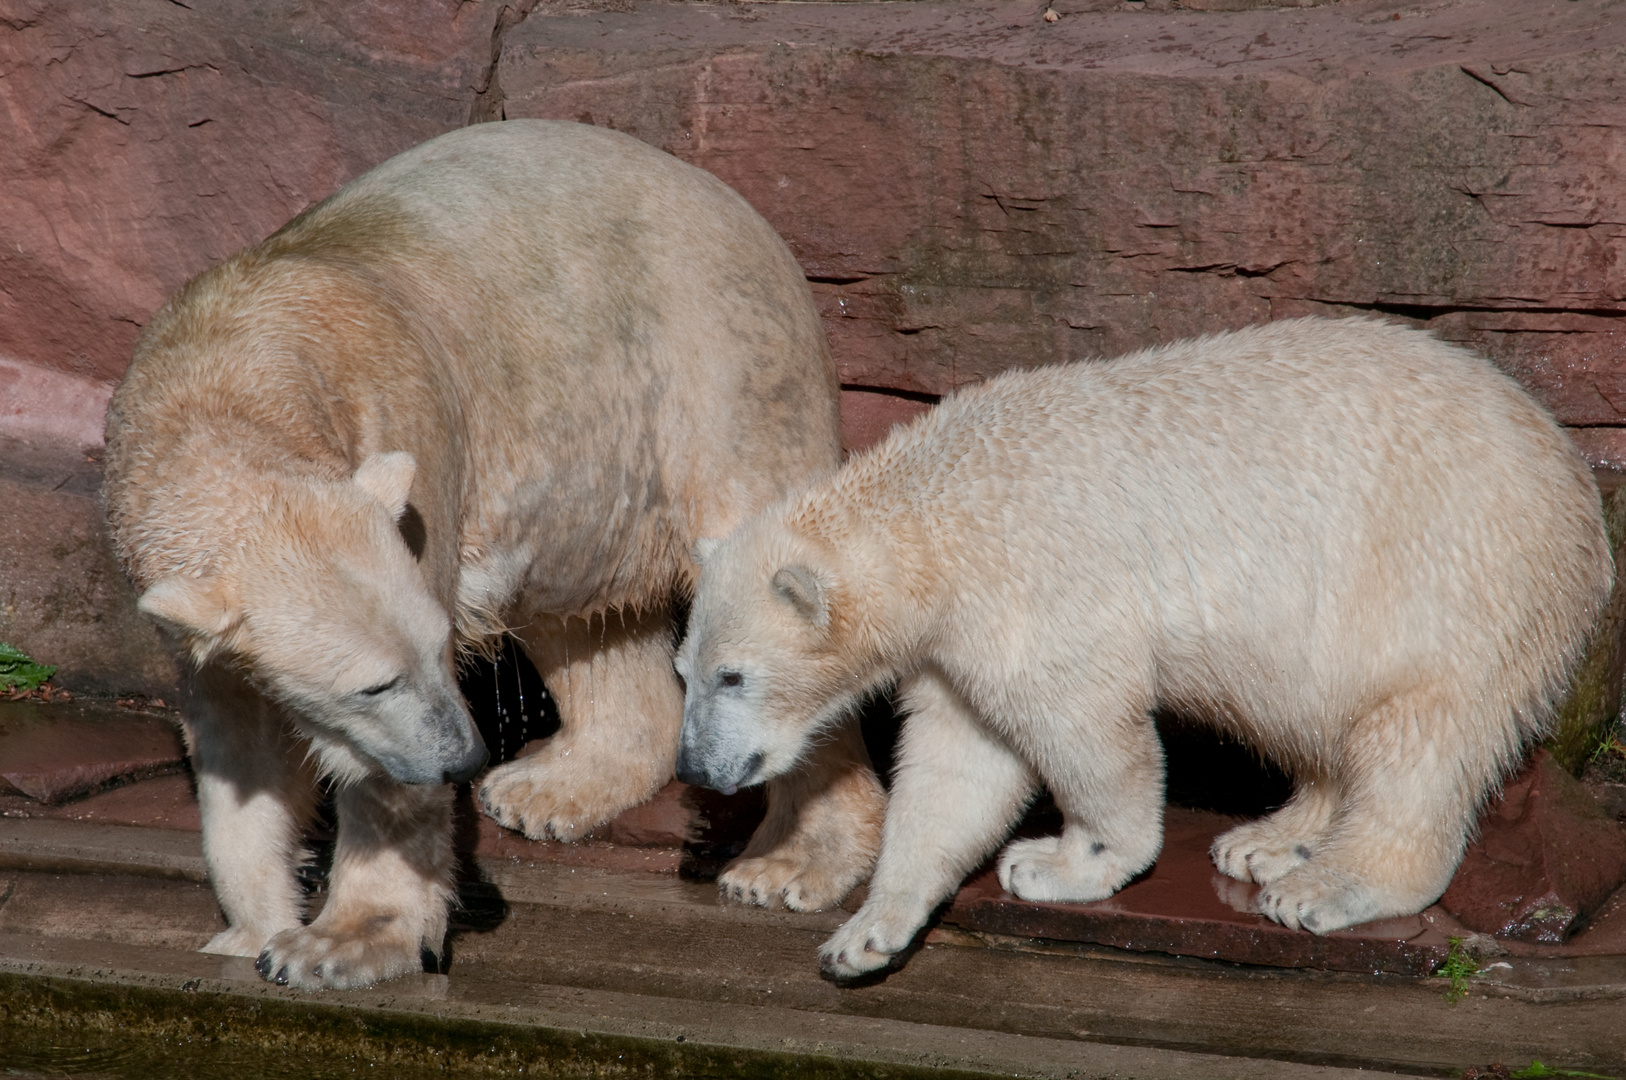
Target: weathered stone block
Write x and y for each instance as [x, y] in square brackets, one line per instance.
[1546, 858]
[56, 753]
[63, 598]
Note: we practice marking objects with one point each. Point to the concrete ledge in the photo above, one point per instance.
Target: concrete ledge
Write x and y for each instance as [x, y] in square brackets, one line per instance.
[468, 1027]
[552, 963]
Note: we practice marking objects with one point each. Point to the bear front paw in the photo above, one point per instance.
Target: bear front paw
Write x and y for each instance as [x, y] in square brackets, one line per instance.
[1058, 869]
[316, 958]
[237, 941]
[862, 945]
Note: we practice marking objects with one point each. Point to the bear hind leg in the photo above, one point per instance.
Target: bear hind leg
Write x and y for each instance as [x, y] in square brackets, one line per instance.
[821, 834]
[1267, 849]
[1409, 789]
[620, 709]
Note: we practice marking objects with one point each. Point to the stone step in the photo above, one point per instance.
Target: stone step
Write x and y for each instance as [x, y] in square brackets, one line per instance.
[622, 955]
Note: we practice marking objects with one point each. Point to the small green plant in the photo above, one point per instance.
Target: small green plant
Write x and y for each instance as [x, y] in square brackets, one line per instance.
[1537, 1069]
[18, 671]
[1459, 967]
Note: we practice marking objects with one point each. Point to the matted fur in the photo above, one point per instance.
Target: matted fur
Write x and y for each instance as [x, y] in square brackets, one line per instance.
[500, 383]
[1363, 551]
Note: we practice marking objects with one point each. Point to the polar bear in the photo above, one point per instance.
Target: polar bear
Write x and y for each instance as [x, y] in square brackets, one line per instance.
[1363, 551]
[501, 382]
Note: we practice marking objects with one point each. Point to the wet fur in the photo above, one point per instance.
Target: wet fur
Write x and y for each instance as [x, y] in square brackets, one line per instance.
[554, 357]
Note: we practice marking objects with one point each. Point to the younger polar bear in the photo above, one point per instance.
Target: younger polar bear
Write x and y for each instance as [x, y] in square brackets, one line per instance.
[1363, 551]
[503, 380]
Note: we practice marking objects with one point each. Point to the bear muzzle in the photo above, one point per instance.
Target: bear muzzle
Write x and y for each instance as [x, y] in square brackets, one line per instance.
[726, 776]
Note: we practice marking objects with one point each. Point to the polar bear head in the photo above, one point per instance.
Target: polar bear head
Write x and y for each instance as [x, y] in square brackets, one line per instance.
[775, 654]
[313, 590]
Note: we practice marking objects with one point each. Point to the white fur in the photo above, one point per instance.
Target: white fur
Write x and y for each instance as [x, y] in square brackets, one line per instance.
[1363, 551]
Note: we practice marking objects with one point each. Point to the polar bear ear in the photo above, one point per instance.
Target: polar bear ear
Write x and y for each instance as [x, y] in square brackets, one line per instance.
[199, 608]
[806, 593]
[703, 549]
[388, 477]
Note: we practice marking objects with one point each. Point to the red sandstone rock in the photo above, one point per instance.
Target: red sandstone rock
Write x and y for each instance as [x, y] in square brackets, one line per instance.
[973, 190]
[1546, 858]
[63, 598]
[663, 821]
[143, 141]
[867, 416]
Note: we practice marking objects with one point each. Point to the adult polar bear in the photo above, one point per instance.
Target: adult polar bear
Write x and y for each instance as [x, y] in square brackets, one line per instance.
[1363, 551]
[544, 356]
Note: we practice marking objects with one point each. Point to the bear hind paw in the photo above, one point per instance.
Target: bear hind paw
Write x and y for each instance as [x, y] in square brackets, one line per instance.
[1321, 901]
[794, 880]
[1259, 852]
[549, 800]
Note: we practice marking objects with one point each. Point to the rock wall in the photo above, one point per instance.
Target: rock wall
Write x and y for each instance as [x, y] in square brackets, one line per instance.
[968, 186]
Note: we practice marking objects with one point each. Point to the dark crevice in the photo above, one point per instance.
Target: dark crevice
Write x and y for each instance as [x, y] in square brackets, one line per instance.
[1228, 270]
[838, 279]
[488, 96]
[102, 112]
[1477, 77]
[910, 331]
[908, 395]
[153, 74]
[1424, 312]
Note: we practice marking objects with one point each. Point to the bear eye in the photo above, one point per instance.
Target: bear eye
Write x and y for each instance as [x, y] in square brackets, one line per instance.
[730, 678]
[374, 691]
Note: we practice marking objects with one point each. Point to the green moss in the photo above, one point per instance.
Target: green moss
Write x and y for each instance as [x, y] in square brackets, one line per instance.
[68, 1027]
[1584, 722]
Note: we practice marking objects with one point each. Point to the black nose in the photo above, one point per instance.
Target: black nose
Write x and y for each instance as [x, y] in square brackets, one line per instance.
[472, 762]
[688, 772]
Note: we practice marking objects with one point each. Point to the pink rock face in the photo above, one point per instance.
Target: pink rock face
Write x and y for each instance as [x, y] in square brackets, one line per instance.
[972, 188]
[1546, 858]
[145, 141]
[867, 416]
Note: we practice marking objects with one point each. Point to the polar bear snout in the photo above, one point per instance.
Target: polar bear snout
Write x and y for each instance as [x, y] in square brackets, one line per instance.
[707, 757]
[442, 747]
[473, 759]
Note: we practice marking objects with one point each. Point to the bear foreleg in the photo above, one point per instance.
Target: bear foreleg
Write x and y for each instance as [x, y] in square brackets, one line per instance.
[957, 791]
[821, 834]
[388, 892]
[620, 708]
[256, 792]
[1106, 775]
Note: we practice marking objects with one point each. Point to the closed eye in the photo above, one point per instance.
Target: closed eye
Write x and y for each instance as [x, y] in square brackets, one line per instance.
[730, 678]
[374, 691]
